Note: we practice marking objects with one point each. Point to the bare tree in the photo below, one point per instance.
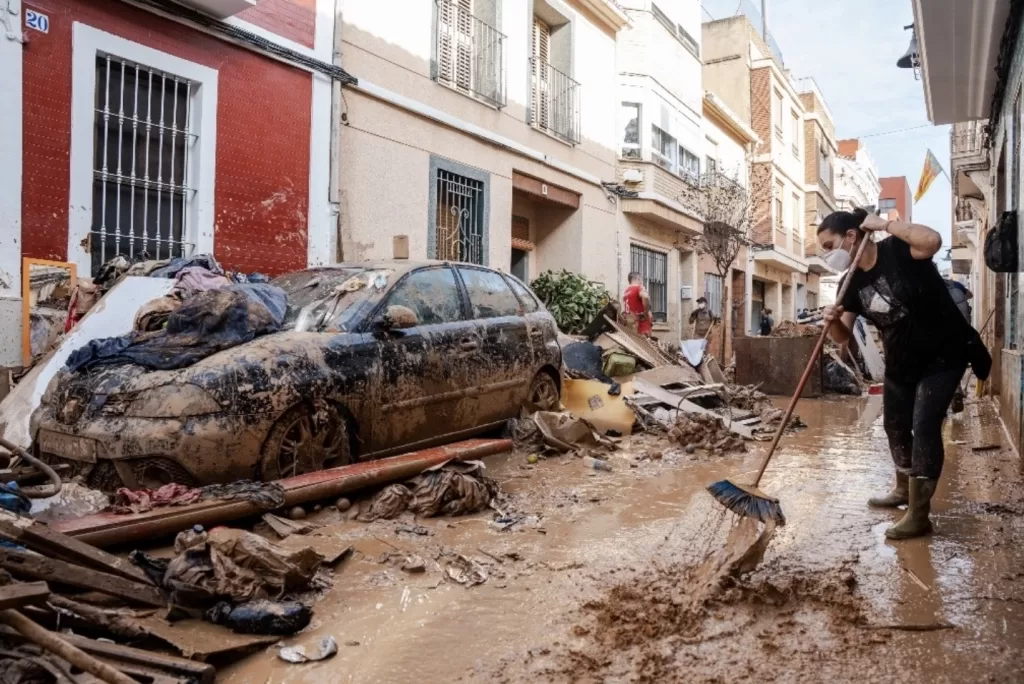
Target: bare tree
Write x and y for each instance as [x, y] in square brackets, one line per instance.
[727, 208]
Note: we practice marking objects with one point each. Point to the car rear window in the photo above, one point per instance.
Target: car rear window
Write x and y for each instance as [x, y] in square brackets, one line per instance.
[489, 294]
[321, 297]
[529, 301]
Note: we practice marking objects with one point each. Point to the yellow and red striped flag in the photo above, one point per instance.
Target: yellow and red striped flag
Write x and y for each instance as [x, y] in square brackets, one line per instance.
[931, 171]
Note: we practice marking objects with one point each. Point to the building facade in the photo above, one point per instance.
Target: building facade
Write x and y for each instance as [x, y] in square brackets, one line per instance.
[489, 126]
[984, 104]
[894, 195]
[856, 176]
[151, 128]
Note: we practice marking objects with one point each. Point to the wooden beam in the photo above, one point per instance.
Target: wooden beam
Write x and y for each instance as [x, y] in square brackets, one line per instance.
[19, 594]
[55, 571]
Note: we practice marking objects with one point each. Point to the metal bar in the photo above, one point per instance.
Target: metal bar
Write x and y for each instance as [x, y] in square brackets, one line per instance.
[186, 175]
[149, 129]
[120, 138]
[135, 130]
[174, 146]
[160, 162]
[106, 140]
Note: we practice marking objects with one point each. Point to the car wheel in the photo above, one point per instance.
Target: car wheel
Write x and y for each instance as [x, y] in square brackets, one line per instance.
[305, 439]
[544, 392]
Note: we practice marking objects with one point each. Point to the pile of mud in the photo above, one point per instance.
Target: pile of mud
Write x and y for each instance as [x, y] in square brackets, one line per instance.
[722, 620]
[705, 431]
[749, 398]
[788, 328]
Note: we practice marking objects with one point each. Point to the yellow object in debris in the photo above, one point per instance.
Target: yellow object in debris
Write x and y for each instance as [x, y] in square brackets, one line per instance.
[589, 400]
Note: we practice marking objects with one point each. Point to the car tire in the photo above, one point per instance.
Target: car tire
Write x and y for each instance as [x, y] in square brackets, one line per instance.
[306, 438]
[544, 393]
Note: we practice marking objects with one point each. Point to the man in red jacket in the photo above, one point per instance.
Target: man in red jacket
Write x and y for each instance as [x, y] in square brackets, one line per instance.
[636, 306]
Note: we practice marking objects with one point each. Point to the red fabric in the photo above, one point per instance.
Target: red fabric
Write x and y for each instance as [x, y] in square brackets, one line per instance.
[634, 304]
[126, 501]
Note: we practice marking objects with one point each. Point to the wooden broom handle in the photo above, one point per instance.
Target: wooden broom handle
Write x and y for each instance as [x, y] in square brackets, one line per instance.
[810, 364]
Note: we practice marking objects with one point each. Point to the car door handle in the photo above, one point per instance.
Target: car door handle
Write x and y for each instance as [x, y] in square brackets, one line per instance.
[537, 333]
[469, 344]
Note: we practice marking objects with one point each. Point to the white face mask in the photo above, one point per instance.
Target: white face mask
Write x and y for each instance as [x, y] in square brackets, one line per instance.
[701, 305]
[838, 259]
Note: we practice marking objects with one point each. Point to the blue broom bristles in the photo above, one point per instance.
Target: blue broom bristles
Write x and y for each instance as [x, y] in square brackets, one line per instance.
[743, 503]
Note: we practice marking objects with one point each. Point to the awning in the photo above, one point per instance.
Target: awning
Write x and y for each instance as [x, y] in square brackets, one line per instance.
[815, 264]
[958, 44]
[659, 213]
[780, 260]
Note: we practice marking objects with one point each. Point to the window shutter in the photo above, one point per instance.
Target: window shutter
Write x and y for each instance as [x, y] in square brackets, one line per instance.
[464, 64]
[445, 26]
[541, 51]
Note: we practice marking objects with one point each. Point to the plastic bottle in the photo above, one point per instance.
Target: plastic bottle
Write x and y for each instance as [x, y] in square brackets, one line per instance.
[597, 463]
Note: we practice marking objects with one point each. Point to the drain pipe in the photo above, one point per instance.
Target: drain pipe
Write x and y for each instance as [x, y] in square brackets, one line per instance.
[338, 118]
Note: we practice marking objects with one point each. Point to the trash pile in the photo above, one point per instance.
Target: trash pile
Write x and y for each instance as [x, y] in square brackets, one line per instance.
[706, 432]
[788, 328]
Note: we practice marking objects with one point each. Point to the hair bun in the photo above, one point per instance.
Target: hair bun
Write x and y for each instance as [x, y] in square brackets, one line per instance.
[860, 214]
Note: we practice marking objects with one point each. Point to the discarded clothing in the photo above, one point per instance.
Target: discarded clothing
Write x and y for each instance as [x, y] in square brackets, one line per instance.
[204, 325]
[13, 499]
[584, 360]
[199, 279]
[450, 488]
[229, 564]
[178, 264]
[266, 495]
[153, 315]
[276, 618]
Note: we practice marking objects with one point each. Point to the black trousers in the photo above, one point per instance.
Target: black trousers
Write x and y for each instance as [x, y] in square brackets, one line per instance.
[913, 415]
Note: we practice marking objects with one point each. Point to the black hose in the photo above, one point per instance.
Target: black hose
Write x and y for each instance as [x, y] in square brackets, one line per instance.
[35, 492]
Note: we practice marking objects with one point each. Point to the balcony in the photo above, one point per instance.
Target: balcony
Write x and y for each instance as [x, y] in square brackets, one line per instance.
[469, 54]
[554, 102]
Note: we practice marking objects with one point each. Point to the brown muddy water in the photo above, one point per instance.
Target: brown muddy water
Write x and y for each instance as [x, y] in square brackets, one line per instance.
[601, 580]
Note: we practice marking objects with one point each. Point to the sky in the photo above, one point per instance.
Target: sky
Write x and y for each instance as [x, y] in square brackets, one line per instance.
[850, 49]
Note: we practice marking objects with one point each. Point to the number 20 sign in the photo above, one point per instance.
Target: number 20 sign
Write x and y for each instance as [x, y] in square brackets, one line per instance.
[36, 21]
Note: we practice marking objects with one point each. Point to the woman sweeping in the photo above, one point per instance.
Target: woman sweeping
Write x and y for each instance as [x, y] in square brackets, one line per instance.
[927, 345]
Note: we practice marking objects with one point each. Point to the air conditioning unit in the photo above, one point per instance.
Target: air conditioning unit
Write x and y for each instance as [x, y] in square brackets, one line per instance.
[686, 292]
[632, 176]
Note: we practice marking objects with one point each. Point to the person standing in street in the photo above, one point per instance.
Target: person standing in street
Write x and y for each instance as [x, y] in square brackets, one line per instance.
[636, 306]
[701, 319]
[927, 342]
[767, 323]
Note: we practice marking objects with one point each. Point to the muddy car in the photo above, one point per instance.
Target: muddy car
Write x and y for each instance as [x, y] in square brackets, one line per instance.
[374, 359]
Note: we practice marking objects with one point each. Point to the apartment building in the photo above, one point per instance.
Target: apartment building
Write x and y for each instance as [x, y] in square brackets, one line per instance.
[894, 195]
[740, 69]
[165, 129]
[856, 176]
[661, 155]
[482, 132]
[986, 161]
[820, 152]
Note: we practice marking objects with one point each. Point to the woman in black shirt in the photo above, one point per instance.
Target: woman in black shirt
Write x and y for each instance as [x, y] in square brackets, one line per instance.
[898, 288]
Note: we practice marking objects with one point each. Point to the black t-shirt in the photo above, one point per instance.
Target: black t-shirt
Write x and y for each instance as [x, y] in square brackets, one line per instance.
[906, 299]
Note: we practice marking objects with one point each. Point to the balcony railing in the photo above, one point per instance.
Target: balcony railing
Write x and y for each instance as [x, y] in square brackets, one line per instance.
[967, 139]
[469, 54]
[554, 102]
[717, 179]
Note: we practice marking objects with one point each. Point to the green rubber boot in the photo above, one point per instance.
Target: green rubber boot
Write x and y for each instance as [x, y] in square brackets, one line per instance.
[895, 498]
[916, 523]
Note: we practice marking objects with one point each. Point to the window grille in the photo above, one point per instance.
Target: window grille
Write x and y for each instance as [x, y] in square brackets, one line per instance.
[653, 268]
[143, 142]
[460, 218]
[554, 95]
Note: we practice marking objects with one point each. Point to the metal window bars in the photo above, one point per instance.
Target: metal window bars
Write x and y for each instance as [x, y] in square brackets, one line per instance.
[653, 268]
[141, 180]
[556, 101]
[460, 218]
[470, 53]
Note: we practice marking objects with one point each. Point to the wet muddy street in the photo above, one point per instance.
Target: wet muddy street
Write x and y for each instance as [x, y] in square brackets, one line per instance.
[590, 575]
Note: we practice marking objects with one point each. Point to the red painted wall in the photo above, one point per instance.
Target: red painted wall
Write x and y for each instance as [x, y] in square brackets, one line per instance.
[897, 188]
[263, 128]
[292, 19]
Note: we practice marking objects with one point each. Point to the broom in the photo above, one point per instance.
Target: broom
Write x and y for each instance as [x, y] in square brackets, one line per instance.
[747, 500]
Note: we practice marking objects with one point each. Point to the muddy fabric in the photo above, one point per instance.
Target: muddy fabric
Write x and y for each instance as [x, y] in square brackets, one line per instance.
[922, 330]
[266, 495]
[199, 279]
[913, 415]
[153, 315]
[204, 325]
[388, 503]
[451, 488]
[142, 500]
[277, 618]
[178, 264]
[567, 433]
[585, 360]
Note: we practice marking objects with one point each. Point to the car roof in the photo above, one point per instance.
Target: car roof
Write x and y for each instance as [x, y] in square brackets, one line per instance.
[399, 266]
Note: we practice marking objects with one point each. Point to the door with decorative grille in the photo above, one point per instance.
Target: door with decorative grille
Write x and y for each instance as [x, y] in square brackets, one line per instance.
[460, 218]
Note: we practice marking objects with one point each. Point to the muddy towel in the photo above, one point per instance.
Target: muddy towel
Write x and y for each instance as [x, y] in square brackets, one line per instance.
[266, 495]
[204, 325]
[450, 488]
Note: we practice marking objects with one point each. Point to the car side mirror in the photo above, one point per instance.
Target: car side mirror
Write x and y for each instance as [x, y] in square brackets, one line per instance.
[396, 318]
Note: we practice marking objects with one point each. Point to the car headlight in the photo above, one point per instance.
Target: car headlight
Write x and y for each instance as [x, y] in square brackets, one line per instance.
[171, 401]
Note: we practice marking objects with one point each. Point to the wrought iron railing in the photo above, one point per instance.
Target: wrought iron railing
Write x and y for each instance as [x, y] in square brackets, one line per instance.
[554, 101]
[717, 179]
[469, 53]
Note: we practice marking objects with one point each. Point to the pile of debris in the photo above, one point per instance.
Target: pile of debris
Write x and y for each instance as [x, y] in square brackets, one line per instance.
[706, 432]
[788, 328]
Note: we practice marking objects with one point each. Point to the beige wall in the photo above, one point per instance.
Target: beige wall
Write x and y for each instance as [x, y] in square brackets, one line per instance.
[726, 55]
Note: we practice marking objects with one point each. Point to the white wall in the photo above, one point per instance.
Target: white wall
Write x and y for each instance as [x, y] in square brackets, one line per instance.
[732, 157]
[856, 180]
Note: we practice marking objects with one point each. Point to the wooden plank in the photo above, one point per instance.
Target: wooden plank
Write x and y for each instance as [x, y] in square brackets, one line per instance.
[664, 396]
[49, 542]
[544, 190]
[19, 594]
[55, 571]
[671, 375]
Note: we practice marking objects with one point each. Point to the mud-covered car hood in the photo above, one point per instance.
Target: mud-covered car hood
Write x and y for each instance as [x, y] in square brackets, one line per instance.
[243, 377]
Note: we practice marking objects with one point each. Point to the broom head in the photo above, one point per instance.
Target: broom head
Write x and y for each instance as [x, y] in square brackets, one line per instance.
[747, 501]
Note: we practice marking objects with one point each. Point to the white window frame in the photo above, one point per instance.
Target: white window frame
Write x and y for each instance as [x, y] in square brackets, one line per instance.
[672, 160]
[89, 43]
[638, 145]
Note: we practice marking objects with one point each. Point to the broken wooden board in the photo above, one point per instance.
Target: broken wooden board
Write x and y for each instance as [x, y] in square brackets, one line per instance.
[638, 346]
[714, 370]
[58, 572]
[19, 594]
[49, 542]
[671, 375]
[590, 401]
[333, 549]
[200, 640]
[285, 528]
[664, 396]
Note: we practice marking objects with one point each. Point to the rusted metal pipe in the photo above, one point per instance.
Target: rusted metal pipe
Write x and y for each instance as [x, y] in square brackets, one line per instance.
[109, 529]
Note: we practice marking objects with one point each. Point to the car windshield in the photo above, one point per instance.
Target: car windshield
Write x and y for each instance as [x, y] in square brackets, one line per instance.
[325, 299]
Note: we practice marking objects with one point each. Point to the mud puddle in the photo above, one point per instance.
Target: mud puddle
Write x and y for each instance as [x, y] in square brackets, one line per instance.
[599, 579]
